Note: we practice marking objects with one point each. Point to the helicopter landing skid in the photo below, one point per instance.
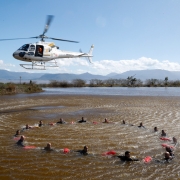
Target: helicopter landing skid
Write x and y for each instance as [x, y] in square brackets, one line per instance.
[39, 65]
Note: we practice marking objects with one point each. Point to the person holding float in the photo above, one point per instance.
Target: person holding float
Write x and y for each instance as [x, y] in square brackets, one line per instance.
[21, 141]
[84, 151]
[48, 147]
[82, 120]
[163, 133]
[61, 121]
[127, 157]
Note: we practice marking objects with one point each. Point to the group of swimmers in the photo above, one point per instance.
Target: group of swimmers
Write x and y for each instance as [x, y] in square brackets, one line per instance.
[168, 155]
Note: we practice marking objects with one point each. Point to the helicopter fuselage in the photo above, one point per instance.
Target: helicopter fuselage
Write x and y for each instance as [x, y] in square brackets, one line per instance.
[44, 52]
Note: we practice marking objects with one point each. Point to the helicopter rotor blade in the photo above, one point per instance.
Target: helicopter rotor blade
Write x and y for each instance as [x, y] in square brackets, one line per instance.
[48, 22]
[15, 39]
[62, 40]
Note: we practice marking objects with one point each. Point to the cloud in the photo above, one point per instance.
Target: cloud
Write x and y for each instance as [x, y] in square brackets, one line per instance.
[102, 67]
[7, 67]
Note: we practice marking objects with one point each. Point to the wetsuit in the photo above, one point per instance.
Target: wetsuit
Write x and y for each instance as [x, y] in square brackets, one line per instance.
[81, 121]
[125, 158]
[63, 122]
[170, 151]
[47, 149]
[20, 143]
[141, 127]
[83, 152]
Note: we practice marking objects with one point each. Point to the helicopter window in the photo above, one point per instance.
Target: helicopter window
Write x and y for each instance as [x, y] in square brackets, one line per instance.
[24, 47]
[32, 48]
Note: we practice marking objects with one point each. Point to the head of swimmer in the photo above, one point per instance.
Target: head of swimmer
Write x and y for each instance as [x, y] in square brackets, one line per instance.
[27, 126]
[85, 149]
[48, 146]
[22, 138]
[105, 120]
[127, 154]
[40, 122]
[60, 120]
[18, 132]
[155, 129]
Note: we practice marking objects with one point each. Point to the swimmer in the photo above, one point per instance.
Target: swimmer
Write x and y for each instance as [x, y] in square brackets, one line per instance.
[41, 123]
[21, 141]
[82, 120]
[163, 133]
[84, 151]
[27, 127]
[106, 121]
[155, 129]
[141, 125]
[48, 147]
[61, 121]
[17, 133]
[123, 122]
[127, 157]
[170, 151]
[167, 156]
[174, 140]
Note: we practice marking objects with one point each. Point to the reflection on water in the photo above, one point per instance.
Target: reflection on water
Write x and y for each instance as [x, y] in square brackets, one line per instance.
[17, 163]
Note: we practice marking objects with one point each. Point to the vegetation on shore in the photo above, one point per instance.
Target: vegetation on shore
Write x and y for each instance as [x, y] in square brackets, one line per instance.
[12, 88]
[129, 82]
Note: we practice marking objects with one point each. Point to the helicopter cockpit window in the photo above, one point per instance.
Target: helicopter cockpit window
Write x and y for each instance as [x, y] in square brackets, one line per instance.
[32, 47]
[24, 47]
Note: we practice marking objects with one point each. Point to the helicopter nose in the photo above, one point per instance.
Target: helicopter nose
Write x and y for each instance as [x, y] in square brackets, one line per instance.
[15, 54]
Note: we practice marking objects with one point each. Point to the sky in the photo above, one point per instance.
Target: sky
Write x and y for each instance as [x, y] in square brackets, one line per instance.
[126, 34]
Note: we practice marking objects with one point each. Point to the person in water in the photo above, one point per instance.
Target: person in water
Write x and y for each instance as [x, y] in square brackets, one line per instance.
[123, 122]
[141, 125]
[41, 123]
[127, 157]
[170, 151]
[106, 121]
[167, 156]
[174, 140]
[84, 151]
[82, 120]
[163, 133]
[21, 141]
[27, 127]
[61, 121]
[155, 129]
[17, 133]
[48, 147]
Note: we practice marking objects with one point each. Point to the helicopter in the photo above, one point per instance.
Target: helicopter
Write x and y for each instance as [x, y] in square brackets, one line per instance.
[44, 54]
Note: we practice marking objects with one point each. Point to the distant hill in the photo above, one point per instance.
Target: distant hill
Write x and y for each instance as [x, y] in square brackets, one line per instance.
[70, 77]
[150, 74]
[7, 76]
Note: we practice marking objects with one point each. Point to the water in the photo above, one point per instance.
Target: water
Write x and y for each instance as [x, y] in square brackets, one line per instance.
[161, 110]
[123, 91]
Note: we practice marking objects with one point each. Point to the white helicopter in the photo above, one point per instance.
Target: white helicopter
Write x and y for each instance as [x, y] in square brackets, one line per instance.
[44, 54]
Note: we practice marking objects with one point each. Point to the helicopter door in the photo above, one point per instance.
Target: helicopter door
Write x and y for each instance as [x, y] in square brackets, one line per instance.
[39, 50]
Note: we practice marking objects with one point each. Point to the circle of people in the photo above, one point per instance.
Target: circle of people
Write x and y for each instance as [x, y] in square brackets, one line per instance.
[168, 155]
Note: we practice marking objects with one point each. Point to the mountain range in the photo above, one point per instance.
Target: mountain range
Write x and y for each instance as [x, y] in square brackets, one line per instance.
[8, 76]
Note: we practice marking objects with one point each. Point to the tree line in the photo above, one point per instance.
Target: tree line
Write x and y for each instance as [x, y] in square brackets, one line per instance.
[128, 82]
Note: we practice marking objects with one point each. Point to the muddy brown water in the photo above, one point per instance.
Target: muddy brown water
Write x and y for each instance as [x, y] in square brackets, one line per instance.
[17, 163]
